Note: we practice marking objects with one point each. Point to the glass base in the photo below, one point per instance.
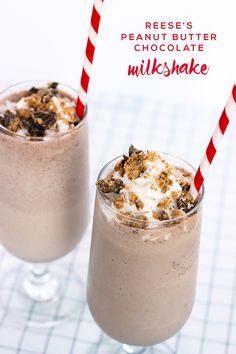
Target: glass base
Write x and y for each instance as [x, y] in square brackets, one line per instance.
[109, 346]
[48, 301]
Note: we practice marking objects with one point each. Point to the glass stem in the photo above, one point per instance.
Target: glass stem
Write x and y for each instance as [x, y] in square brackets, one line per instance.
[40, 284]
[130, 349]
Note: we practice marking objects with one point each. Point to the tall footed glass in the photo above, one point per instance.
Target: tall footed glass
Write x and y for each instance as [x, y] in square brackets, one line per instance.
[142, 274]
[43, 212]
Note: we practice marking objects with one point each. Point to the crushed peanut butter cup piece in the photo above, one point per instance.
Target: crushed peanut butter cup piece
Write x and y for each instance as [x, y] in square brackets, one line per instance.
[164, 203]
[151, 156]
[135, 221]
[120, 165]
[139, 204]
[176, 213]
[139, 221]
[185, 201]
[23, 113]
[71, 114]
[110, 185]
[15, 124]
[49, 92]
[163, 181]
[133, 198]
[135, 165]
[160, 215]
[175, 195]
[119, 201]
[46, 119]
[33, 101]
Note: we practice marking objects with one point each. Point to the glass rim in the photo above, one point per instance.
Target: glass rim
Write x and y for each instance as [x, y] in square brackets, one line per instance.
[152, 222]
[43, 138]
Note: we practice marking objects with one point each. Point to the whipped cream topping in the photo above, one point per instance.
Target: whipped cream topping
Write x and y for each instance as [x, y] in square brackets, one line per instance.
[21, 104]
[148, 187]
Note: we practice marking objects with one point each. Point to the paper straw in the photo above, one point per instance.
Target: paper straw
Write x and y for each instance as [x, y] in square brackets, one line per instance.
[229, 113]
[89, 55]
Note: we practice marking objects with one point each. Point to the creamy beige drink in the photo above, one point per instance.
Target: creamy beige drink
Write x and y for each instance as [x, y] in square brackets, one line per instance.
[144, 251]
[44, 172]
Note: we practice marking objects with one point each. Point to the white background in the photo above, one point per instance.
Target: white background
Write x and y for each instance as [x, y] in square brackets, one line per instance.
[46, 39]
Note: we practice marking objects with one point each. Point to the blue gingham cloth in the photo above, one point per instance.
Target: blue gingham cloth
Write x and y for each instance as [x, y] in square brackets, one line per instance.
[115, 122]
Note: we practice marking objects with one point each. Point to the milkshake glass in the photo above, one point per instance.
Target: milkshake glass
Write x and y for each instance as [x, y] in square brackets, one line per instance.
[142, 274]
[44, 201]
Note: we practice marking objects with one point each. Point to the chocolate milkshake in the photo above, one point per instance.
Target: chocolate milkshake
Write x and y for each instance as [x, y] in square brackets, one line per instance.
[44, 171]
[144, 252]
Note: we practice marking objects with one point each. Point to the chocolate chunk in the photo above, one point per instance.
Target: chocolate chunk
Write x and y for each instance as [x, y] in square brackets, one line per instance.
[133, 150]
[110, 186]
[77, 120]
[163, 215]
[31, 91]
[120, 165]
[47, 97]
[185, 186]
[7, 118]
[48, 92]
[48, 118]
[34, 129]
[185, 202]
[53, 85]
[55, 92]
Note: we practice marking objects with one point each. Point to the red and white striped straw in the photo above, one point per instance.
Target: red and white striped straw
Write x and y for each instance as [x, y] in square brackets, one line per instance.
[229, 113]
[89, 55]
